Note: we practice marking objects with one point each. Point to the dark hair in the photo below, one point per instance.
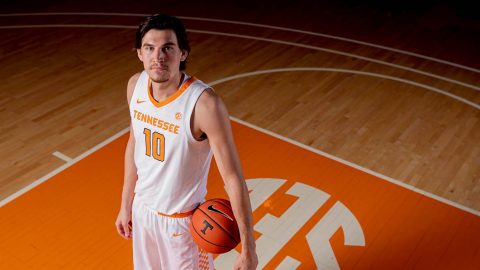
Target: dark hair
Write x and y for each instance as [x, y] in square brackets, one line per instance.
[161, 22]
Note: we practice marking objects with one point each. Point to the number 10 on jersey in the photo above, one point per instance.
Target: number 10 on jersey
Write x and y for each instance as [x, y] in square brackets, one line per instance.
[154, 144]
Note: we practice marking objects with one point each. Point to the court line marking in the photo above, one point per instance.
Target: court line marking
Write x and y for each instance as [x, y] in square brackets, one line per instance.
[20, 26]
[61, 168]
[350, 71]
[358, 167]
[62, 157]
[428, 74]
[265, 131]
[433, 59]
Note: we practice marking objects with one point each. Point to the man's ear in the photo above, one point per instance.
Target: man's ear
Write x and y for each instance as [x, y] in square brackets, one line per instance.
[184, 55]
[139, 54]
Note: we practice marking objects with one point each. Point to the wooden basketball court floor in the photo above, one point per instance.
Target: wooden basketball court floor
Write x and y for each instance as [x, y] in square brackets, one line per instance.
[380, 115]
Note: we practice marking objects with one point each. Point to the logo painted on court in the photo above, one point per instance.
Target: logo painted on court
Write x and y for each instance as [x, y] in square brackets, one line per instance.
[277, 231]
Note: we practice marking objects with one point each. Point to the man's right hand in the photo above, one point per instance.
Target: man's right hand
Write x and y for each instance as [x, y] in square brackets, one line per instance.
[124, 224]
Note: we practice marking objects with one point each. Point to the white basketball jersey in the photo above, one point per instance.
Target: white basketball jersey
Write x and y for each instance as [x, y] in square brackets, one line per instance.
[172, 166]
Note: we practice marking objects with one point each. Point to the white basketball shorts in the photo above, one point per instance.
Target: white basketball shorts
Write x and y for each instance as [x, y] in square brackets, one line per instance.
[164, 242]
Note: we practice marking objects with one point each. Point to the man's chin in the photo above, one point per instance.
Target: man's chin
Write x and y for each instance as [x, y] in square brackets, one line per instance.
[159, 78]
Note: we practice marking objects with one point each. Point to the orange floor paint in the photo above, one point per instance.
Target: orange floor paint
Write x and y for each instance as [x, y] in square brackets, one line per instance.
[365, 222]
[68, 221]
[402, 229]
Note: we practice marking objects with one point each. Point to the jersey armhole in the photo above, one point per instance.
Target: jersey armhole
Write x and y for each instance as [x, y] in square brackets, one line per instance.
[188, 119]
[137, 88]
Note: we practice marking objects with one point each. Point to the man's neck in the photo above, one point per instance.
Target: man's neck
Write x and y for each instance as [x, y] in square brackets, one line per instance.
[163, 90]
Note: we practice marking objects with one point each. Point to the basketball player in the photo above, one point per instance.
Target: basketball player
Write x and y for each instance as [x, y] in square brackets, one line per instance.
[177, 122]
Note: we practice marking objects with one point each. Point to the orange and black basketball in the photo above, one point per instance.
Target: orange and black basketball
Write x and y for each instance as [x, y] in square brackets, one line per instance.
[214, 227]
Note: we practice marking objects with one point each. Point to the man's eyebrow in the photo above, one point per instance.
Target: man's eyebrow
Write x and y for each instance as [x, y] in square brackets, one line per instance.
[163, 45]
[169, 44]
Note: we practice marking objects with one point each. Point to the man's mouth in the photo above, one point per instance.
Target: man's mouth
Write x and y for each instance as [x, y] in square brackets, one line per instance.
[159, 67]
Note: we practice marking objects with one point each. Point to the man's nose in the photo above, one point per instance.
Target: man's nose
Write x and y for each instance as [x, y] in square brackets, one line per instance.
[160, 54]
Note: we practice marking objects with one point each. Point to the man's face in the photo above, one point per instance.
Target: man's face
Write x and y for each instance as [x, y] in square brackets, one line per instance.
[161, 55]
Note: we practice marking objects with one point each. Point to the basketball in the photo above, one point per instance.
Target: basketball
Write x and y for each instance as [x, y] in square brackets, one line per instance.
[214, 227]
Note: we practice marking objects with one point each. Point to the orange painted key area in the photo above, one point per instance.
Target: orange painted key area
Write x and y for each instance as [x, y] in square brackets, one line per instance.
[364, 221]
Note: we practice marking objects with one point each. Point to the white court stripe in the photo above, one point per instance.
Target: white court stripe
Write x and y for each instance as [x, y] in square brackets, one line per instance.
[62, 156]
[269, 71]
[285, 139]
[67, 26]
[61, 168]
[358, 167]
[74, 13]
[260, 39]
[475, 87]
[433, 59]
[348, 163]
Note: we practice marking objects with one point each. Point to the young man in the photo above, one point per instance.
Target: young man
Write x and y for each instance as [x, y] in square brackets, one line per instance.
[177, 122]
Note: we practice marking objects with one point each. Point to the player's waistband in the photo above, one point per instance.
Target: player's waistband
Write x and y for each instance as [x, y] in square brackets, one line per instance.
[178, 215]
[139, 201]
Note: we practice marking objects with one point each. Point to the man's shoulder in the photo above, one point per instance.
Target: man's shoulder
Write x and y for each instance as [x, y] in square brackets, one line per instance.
[210, 106]
[131, 85]
[208, 99]
[133, 80]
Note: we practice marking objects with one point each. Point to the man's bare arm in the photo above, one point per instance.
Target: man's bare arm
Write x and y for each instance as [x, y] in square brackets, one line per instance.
[130, 176]
[211, 118]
